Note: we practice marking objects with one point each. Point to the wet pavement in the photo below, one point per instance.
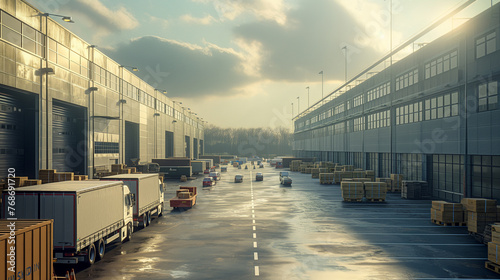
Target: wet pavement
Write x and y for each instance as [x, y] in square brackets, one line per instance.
[263, 230]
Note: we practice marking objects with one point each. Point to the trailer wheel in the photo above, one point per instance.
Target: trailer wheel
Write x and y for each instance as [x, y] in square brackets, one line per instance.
[144, 220]
[101, 249]
[91, 254]
[148, 217]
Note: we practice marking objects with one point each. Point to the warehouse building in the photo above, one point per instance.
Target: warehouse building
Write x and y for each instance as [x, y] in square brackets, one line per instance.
[65, 105]
[431, 116]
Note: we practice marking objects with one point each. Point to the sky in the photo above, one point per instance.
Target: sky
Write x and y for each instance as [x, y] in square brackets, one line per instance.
[247, 63]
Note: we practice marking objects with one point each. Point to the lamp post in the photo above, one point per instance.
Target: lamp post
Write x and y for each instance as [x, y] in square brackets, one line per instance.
[292, 110]
[48, 71]
[298, 105]
[307, 97]
[321, 73]
[345, 62]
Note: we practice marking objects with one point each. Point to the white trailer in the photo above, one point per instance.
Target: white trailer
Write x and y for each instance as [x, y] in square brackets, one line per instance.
[87, 215]
[149, 193]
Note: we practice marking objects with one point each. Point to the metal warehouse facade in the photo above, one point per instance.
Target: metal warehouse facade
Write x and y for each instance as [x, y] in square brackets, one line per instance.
[64, 105]
[431, 116]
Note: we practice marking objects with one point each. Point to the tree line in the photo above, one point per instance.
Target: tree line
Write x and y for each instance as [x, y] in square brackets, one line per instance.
[264, 142]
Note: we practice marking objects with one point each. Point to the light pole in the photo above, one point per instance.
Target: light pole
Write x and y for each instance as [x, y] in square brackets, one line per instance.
[307, 97]
[345, 63]
[292, 110]
[48, 71]
[321, 73]
[298, 105]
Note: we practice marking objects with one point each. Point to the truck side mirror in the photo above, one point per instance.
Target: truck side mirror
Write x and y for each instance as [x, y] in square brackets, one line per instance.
[132, 198]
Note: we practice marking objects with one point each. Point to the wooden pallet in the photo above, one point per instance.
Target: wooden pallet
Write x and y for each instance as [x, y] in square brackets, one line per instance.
[455, 224]
[353, 199]
[375, 199]
[492, 266]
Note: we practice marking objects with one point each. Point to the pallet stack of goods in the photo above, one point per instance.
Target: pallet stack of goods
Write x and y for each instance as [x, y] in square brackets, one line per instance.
[339, 168]
[370, 174]
[32, 182]
[358, 174]
[348, 168]
[64, 176]
[352, 191]
[316, 171]
[295, 165]
[46, 175]
[375, 191]
[308, 170]
[447, 213]
[480, 212]
[493, 262]
[415, 190]
[81, 177]
[326, 178]
[397, 182]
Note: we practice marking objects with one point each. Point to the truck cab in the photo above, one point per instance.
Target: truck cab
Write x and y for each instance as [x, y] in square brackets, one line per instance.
[128, 214]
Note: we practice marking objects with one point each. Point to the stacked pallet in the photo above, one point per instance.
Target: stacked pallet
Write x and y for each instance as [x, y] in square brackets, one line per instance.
[375, 191]
[326, 178]
[348, 168]
[493, 262]
[64, 176]
[19, 181]
[295, 165]
[415, 190]
[447, 213]
[81, 177]
[308, 170]
[358, 174]
[338, 168]
[32, 182]
[352, 191]
[46, 175]
[316, 171]
[370, 174]
[397, 182]
[480, 212]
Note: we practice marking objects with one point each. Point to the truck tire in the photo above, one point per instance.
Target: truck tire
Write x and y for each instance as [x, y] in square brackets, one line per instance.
[129, 232]
[101, 249]
[91, 255]
[148, 218]
[145, 220]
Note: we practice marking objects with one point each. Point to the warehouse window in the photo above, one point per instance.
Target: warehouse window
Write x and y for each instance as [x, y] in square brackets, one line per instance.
[486, 44]
[340, 128]
[410, 165]
[488, 96]
[378, 92]
[379, 120]
[409, 113]
[447, 177]
[339, 109]
[21, 34]
[407, 79]
[486, 176]
[442, 106]
[106, 148]
[358, 100]
[441, 64]
[359, 124]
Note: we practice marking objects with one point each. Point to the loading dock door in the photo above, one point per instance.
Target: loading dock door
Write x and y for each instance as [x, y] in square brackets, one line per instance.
[68, 138]
[131, 142]
[188, 146]
[169, 144]
[195, 148]
[17, 134]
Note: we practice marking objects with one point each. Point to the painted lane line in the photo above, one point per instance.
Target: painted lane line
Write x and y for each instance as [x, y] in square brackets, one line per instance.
[255, 235]
[253, 216]
[253, 211]
[254, 228]
[255, 244]
[257, 273]
[253, 221]
[255, 256]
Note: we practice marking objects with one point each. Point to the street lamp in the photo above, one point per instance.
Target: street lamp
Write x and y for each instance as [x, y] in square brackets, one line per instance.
[135, 69]
[292, 110]
[298, 105]
[64, 18]
[345, 62]
[321, 73]
[307, 97]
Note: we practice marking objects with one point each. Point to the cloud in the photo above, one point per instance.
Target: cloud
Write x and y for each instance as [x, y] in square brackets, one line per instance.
[311, 41]
[184, 69]
[159, 21]
[203, 21]
[274, 10]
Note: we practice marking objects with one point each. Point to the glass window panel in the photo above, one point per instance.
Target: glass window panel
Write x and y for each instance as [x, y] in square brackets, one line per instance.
[454, 98]
[492, 88]
[454, 61]
[433, 103]
[11, 36]
[440, 101]
[482, 90]
[29, 45]
[11, 22]
[480, 50]
[447, 99]
[29, 32]
[447, 111]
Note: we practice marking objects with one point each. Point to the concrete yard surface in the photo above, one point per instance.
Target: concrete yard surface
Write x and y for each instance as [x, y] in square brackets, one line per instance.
[261, 230]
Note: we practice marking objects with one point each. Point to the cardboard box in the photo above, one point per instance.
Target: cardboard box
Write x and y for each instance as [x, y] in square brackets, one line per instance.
[19, 181]
[352, 190]
[46, 175]
[493, 251]
[447, 216]
[64, 176]
[117, 167]
[447, 206]
[483, 217]
[480, 204]
[495, 233]
[358, 174]
[397, 181]
[32, 182]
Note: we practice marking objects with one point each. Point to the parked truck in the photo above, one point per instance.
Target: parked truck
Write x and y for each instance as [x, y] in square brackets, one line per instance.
[32, 256]
[149, 192]
[198, 166]
[87, 215]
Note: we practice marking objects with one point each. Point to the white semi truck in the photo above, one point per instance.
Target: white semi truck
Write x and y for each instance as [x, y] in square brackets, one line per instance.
[149, 193]
[87, 215]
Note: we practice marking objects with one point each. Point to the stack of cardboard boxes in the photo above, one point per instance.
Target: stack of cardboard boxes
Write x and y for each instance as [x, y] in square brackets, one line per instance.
[375, 191]
[397, 182]
[352, 191]
[480, 212]
[447, 213]
[493, 262]
[415, 190]
[326, 178]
